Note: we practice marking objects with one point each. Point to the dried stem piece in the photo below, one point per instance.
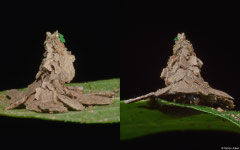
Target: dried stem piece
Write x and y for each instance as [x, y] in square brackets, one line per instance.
[48, 93]
[183, 80]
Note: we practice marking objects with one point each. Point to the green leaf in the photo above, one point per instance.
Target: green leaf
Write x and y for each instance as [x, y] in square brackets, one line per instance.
[150, 117]
[61, 38]
[96, 114]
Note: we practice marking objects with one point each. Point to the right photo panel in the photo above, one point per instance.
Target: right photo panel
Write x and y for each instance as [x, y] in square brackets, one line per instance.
[179, 81]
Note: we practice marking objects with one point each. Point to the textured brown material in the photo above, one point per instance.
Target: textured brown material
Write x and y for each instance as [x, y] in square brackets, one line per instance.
[99, 100]
[2, 97]
[48, 92]
[184, 82]
[15, 95]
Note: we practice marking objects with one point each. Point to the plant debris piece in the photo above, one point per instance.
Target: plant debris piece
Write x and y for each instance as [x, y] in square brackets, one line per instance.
[220, 109]
[2, 97]
[183, 80]
[48, 93]
[109, 94]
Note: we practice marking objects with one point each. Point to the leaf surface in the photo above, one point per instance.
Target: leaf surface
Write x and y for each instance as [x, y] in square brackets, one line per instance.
[151, 117]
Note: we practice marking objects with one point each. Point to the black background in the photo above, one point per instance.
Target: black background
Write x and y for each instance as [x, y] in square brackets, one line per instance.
[147, 33]
[91, 30]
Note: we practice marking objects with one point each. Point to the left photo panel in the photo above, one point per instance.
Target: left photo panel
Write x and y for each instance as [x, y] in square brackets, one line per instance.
[61, 74]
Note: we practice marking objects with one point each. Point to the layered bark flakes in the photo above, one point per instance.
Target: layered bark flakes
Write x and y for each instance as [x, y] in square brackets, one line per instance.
[183, 80]
[48, 93]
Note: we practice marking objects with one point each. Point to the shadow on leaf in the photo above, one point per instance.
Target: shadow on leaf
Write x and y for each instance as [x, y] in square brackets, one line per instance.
[173, 111]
